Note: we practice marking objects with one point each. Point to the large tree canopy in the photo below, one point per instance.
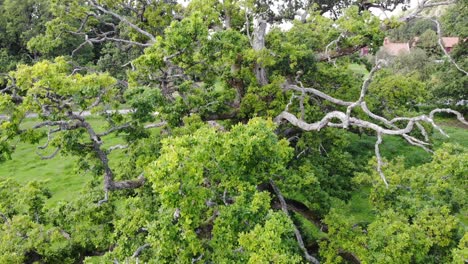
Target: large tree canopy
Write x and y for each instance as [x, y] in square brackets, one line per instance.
[214, 135]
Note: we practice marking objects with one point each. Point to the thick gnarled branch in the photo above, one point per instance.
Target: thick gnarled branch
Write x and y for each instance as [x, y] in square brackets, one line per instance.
[345, 119]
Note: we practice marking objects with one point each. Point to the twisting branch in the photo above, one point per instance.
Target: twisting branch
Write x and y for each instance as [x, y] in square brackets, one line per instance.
[284, 208]
[410, 139]
[338, 53]
[123, 19]
[364, 89]
[49, 137]
[76, 121]
[333, 42]
[109, 183]
[316, 92]
[85, 20]
[448, 111]
[441, 44]
[98, 100]
[346, 120]
[169, 57]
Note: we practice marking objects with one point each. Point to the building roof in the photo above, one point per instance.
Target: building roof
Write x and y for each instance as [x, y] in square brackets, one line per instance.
[396, 49]
[449, 42]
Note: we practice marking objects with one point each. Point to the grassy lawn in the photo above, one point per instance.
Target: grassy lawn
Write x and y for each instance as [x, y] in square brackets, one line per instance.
[60, 173]
[359, 69]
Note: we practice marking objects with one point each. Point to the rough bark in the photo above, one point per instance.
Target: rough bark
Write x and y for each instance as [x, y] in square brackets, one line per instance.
[258, 44]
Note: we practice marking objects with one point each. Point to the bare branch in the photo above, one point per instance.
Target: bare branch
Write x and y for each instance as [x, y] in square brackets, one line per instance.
[127, 184]
[106, 198]
[98, 99]
[51, 123]
[284, 208]
[195, 260]
[124, 41]
[124, 20]
[412, 140]
[167, 58]
[80, 47]
[347, 120]
[113, 129]
[364, 88]
[333, 42]
[441, 44]
[327, 56]
[85, 20]
[103, 37]
[139, 250]
[449, 111]
[51, 156]
[49, 137]
[379, 158]
[316, 92]
[112, 148]
[160, 124]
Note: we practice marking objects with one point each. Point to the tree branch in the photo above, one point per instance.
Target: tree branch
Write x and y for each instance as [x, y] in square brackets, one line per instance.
[51, 156]
[441, 44]
[379, 158]
[423, 5]
[112, 148]
[284, 208]
[347, 120]
[364, 88]
[155, 125]
[139, 250]
[124, 20]
[113, 129]
[109, 183]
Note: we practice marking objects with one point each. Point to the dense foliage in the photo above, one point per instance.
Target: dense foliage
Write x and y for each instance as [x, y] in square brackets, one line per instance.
[190, 162]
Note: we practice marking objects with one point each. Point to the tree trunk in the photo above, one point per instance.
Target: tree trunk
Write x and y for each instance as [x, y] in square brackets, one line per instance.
[258, 44]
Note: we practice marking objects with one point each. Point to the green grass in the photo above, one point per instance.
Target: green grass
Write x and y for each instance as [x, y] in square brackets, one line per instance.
[359, 69]
[26, 165]
[60, 173]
